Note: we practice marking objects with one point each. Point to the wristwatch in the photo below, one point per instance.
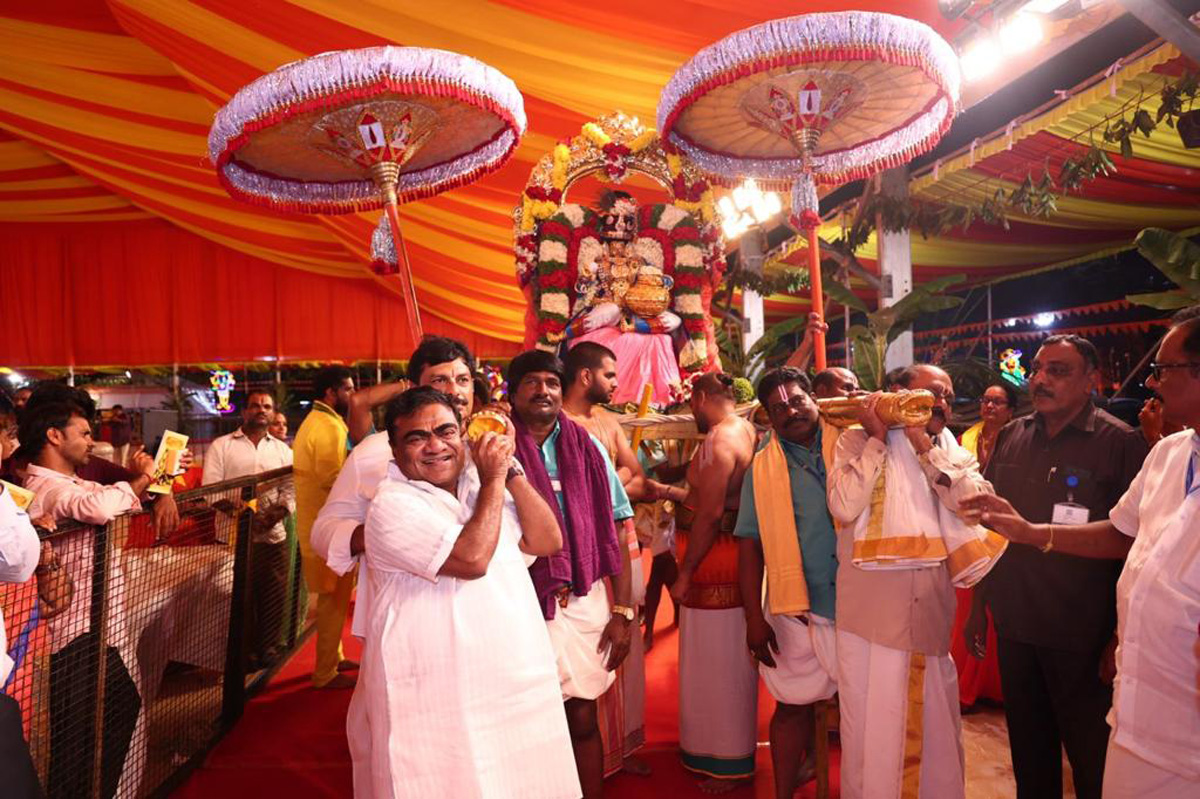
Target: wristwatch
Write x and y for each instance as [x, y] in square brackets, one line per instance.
[514, 470]
[622, 610]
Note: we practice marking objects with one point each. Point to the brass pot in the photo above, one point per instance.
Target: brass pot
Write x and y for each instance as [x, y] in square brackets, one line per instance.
[648, 296]
[486, 422]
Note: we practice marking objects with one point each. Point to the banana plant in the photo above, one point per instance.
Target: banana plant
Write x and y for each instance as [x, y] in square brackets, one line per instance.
[1177, 257]
[870, 341]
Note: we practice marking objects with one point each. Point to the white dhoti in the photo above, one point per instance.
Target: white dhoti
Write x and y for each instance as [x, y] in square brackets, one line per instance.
[806, 665]
[900, 725]
[718, 693]
[575, 634]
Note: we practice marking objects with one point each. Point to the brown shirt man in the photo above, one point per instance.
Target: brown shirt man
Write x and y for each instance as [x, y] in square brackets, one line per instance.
[1048, 599]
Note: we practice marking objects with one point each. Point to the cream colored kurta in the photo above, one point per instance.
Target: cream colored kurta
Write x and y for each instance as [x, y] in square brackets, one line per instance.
[458, 695]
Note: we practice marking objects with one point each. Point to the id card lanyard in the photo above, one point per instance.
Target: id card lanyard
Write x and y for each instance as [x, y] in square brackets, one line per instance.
[1070, 512]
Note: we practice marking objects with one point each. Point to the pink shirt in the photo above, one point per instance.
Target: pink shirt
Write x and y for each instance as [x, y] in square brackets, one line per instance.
[64, 497]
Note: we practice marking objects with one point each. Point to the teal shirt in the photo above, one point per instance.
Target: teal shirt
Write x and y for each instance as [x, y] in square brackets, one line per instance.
[814, 527]
[620, 500]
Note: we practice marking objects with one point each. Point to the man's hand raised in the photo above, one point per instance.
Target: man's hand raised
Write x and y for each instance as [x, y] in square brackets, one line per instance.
[493, 456]
[869, 418]
[142, 464]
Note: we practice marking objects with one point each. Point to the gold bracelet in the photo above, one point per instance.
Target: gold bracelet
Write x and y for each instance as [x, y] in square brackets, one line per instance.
[1049, 545]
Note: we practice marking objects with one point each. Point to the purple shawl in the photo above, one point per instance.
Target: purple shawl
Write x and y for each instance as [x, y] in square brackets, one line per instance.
[590, 547]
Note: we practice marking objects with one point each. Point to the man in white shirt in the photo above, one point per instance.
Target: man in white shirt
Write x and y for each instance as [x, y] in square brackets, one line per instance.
[1153, 751]
[58, 438]
[251, 449]
[337, 534]
[458, 672]
[19, 549]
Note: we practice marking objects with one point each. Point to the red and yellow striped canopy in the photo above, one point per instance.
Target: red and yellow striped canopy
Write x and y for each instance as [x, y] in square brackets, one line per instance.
[105, 108]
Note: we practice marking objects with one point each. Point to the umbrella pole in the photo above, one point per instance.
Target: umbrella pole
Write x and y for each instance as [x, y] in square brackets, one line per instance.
[405, 274]
[818, 296]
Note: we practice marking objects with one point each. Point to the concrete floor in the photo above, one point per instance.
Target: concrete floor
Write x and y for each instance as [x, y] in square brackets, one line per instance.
[989, 766]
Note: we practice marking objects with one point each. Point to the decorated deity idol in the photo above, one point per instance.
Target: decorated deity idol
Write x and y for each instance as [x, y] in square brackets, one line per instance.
[618, 288]
[636, 278]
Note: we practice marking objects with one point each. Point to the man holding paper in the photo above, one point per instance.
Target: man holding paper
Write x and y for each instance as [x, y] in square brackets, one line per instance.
[783, 524]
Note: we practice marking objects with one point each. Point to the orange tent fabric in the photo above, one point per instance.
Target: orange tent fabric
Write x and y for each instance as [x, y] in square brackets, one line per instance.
[145, 293]
[105, 107]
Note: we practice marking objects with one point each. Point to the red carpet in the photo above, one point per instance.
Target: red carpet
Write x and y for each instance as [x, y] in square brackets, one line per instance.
[292, 739]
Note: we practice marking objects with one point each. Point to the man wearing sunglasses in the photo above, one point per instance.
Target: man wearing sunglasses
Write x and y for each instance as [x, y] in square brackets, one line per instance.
[1066, 464]
[1155, 716]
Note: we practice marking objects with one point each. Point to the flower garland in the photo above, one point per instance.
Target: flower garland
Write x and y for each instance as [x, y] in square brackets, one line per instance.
[550, 239]
[668, 238]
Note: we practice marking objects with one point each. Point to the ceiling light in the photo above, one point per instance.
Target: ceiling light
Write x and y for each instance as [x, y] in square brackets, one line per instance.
[745, 207]
[980, 58]
[1020, 33]
[1044, 319]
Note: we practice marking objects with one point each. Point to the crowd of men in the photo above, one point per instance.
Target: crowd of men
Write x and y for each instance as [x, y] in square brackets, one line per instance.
[498, 576]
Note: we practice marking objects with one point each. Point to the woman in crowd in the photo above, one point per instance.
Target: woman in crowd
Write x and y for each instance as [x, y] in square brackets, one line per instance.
[996, 408]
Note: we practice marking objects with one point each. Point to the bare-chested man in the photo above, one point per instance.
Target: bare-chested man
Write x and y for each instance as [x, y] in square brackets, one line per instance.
[591, 372]
[591, 379]
[718, 680]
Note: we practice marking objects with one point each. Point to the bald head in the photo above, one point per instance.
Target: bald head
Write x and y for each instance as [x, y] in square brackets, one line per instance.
[835, 381]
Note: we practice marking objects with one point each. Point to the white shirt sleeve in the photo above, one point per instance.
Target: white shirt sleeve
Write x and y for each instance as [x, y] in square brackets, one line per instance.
[344, 510]
[214, 463]
[19, 545]
[406, 533]
[856, 464]
[1126, 516]
[960, 467]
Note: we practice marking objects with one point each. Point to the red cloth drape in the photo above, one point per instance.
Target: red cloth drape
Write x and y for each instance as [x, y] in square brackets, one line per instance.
[977, 679]
[149, 293]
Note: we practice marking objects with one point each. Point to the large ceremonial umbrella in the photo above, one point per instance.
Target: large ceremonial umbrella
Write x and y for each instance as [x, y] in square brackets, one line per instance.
[355, 130]
[818, 98]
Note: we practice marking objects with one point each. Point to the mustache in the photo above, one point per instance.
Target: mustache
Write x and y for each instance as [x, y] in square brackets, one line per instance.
[938, 412]
[1043, 392]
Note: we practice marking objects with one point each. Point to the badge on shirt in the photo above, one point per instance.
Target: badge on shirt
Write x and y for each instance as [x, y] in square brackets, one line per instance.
[1069, 513]
[556, 484]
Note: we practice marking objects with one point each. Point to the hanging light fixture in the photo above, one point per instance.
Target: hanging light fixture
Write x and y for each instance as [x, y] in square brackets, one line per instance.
[745, 207]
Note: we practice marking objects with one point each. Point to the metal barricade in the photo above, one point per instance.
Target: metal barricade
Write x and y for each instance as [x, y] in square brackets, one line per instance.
[139, 653]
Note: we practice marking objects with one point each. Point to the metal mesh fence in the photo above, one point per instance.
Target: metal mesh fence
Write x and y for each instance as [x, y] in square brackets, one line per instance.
[136, 651]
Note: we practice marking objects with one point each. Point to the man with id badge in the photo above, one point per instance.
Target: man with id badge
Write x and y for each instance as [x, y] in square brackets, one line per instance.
[1065, 465]
[1155, 716]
